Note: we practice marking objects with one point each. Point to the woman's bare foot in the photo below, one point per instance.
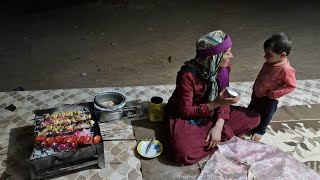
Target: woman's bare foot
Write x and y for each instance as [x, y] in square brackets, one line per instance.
[242, 136]
[246, 135]
[256, 137]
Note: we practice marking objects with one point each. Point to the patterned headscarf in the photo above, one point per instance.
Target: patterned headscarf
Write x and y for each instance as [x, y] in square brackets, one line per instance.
[207, 66]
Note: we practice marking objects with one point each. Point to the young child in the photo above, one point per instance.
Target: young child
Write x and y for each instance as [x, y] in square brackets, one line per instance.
[275, 79]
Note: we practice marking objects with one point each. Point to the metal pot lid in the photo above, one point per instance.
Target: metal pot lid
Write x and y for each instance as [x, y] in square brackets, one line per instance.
[110, 100]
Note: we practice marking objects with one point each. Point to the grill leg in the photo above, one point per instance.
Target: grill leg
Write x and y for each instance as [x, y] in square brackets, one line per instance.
[100, 153]
[32, 174]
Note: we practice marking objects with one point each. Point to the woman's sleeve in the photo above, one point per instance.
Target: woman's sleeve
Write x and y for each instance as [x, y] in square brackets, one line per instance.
[185, 92]
[223, 112]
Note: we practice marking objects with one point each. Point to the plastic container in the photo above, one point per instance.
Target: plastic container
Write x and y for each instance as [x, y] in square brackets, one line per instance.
[156, 109]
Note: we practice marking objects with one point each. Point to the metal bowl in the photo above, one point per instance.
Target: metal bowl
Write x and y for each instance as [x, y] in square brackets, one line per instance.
[117, 98]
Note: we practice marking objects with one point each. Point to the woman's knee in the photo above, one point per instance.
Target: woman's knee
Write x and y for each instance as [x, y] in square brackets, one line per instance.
[184, 158]
[182, 153]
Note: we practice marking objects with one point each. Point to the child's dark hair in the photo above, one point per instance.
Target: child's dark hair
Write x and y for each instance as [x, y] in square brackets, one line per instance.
[278, 43]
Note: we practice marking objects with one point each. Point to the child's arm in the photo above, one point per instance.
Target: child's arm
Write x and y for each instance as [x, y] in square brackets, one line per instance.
[290, 81]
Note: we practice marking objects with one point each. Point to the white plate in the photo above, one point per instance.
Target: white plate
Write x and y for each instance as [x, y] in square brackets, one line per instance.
[154, 151]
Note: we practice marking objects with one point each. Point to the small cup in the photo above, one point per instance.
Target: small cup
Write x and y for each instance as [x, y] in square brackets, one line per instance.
[231, 93]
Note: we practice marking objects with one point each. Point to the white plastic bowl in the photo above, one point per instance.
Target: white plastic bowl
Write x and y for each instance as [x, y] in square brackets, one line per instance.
[232, 93]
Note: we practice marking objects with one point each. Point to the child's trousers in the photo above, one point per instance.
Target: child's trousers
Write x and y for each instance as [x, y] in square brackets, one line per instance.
[266, 107]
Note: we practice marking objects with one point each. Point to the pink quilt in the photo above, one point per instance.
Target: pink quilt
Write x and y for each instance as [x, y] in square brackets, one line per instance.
[241, 159]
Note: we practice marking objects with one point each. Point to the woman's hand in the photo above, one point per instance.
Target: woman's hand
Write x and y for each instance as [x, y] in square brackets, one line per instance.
[221, 100]
[214, 135]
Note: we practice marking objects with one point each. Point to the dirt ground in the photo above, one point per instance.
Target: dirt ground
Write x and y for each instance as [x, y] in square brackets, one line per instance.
[128, 43]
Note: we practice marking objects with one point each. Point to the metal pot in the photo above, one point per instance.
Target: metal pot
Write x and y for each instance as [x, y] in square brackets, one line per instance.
[115, 112]
[107, 115]
[101, 100]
